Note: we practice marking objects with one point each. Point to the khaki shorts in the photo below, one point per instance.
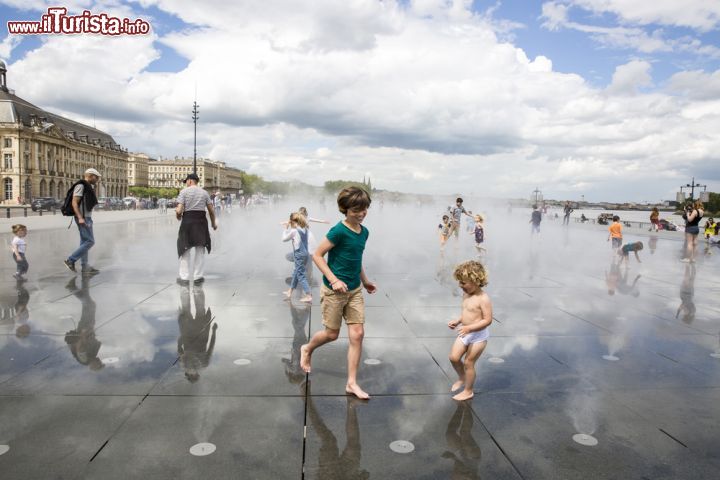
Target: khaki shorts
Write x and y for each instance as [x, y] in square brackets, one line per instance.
[336, 305]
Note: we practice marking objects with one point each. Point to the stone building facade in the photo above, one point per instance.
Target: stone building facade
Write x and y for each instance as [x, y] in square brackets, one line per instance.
[138, 170]
[214, 176]
[43, 154]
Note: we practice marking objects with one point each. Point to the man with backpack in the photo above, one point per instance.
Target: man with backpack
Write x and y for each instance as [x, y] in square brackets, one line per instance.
[79, 203]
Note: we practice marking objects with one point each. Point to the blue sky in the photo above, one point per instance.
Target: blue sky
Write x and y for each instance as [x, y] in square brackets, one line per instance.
[300, 90]
[571, 51]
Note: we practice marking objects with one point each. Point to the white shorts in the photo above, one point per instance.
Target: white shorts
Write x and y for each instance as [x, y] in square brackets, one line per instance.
[475, 337]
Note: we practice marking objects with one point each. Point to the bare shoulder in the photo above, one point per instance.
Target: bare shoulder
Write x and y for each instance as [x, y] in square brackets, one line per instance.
[484, 299]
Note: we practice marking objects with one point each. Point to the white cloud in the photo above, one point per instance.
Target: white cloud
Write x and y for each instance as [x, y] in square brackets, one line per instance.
[422, 98]
[628, 78]
[8, 45]
[703, 15]
[632, 34]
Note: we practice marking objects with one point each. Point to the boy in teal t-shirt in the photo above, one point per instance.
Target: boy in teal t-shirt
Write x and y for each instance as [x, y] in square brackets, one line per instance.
[343, 278]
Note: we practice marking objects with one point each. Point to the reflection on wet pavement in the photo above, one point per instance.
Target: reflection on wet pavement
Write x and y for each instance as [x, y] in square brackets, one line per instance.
[119, 376]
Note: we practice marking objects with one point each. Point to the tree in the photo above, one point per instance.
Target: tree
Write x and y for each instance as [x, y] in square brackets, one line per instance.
[334, 186]
[713, 205]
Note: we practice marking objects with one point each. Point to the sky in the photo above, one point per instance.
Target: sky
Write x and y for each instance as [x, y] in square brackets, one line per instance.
[606, 100]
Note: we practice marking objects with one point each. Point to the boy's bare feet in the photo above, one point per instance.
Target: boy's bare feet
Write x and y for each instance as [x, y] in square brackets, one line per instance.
[288, 294]
[357, 391]
[307, 299]
[305, 358]
[464, 395]
[457, 385]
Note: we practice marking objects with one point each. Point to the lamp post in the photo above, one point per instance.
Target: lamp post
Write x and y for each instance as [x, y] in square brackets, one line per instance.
[195, 119]
[692, 186]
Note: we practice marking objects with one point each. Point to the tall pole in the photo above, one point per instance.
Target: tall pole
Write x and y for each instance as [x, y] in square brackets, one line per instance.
[692, 186]
[195, 119]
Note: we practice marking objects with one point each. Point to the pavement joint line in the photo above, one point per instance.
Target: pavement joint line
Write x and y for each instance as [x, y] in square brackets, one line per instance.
[674, 438]
[585, 320]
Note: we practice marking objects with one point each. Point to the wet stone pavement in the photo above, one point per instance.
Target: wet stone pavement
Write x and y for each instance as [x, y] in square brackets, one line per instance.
[592, 370]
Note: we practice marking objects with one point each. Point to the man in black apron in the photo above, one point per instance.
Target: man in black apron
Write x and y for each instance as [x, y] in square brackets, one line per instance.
[194, 234]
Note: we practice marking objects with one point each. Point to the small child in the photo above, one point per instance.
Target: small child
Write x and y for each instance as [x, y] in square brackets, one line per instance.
[444, 228]
[297, 231]
[479, 232]
[343, 279]
[615, 230]
[630, 247]
[19, 246]
[475, 318]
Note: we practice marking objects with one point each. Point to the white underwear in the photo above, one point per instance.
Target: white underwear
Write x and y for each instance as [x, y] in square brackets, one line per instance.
[475, 337]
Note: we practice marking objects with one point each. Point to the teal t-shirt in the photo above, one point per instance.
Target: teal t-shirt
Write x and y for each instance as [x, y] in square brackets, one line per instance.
[345, 258]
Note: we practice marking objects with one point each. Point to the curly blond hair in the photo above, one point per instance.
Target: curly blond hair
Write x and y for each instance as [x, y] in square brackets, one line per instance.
[471, 272]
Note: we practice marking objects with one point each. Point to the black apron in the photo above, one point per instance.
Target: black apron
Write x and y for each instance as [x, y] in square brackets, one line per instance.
[194, 232]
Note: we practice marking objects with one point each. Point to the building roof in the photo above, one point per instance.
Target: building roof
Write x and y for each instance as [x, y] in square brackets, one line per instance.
[14, 109]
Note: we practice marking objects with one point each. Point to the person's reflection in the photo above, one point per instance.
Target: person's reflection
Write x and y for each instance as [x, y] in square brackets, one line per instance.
[626, 288]
[686, 310]
[193, 346]
[333, 464]
[612, 276]
[81, 341]
[617, 280]
[652, 244]
[300, 315]
[463, 449]
[22, 315]
[444, 272]
[534, 262]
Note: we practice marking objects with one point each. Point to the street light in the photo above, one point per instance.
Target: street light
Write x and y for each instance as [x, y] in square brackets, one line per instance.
[195, 119]
[692, 186]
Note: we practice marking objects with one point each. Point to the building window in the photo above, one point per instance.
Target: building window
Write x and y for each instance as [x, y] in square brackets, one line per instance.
[7, 183]
[8, 142]
[8, 161]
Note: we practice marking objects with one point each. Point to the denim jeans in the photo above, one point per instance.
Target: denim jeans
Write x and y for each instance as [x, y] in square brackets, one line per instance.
[87, 240]
[22, 265]
[299, 274]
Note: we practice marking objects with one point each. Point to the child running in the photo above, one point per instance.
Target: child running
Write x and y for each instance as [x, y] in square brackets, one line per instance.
[444, 228]
[343, 279]
[630, 247]
[297, 232]
[535, 219]
[19, 246]
[479, 233]
[475, 318]
[615, 230]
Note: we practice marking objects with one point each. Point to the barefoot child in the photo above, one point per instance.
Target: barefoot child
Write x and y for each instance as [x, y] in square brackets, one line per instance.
[615, 233]
[19, 245]
[297, 231]
[624, 252]
[343, 279]
[473, 322]
[479, 232]
[444, 228]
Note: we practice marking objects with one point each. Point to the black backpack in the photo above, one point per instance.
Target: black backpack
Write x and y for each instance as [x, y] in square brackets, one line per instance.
[67, 208]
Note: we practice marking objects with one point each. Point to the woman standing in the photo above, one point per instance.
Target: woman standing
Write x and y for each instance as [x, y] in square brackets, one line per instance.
[693, 214]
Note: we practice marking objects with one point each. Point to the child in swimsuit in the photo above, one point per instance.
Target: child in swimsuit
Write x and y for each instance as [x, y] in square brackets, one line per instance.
[479, 232]
[473, 325]
[624, 252]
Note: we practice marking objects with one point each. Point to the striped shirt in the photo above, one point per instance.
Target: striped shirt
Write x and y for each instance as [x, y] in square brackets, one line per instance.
[194, 199]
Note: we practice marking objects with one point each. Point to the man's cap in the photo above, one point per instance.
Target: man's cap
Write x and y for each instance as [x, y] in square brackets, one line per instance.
[92, 171]
[192, 176]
